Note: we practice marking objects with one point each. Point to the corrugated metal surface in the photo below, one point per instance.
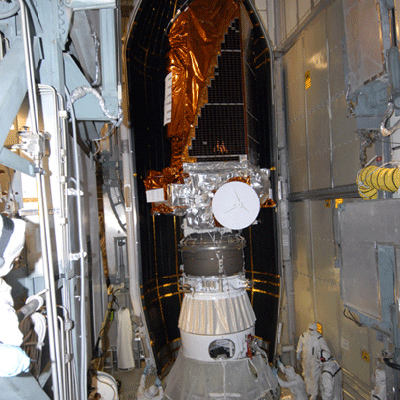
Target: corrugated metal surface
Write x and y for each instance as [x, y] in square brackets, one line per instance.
[303, 300]
[363, 226]
[318, 124]
[301, 239]
[323, 242]
[364, 47]
[345, 143]
[298, 156]
[319, 152]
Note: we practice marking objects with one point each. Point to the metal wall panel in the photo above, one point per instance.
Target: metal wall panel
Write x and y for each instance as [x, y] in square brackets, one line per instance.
[316, 66]
[294, 85]
[297, 142]
[364, 225]
[298, 156]
[333, 159]
[345, 144]
[300, 224]
[316, 62]
[303, 301]
[336, 42]
[304, 7]
[261, 4]
[352, 341]
[319, 149]
[290, 15]
[364, 47]
[332, 143]
[328, 312]
[323, 241]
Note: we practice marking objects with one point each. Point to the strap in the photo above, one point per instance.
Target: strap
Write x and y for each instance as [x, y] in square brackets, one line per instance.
[330, 373]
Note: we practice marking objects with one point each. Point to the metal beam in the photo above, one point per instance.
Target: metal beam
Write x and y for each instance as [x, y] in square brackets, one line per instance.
[109, 67]
[12, 86]
[326, 193]
[89, 108]
[14, 161]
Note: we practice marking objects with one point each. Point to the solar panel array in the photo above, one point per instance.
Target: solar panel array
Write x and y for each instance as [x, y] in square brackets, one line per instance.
[220, 132]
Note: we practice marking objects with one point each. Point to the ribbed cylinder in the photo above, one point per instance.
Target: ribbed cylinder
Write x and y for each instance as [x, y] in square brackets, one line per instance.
[373, 178]
[216, 313]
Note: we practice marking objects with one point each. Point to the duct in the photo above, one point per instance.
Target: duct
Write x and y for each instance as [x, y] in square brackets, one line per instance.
[372, 178]
[83, 91]
[109, 71]
[86, 44]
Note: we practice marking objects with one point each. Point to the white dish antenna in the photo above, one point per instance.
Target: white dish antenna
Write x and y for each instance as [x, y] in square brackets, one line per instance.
[235, 205]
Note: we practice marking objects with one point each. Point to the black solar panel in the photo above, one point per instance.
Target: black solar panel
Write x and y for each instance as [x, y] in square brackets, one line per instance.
[220, 131]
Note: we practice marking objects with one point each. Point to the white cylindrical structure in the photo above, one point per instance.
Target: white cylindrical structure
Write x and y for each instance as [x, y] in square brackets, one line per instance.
[216, 313]
[217, 359]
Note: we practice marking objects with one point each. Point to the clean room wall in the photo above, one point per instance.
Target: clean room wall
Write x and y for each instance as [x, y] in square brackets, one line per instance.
[323, 155]
[323, 148]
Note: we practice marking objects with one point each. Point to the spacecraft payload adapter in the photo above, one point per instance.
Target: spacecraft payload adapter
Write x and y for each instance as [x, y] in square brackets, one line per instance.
[219, 356]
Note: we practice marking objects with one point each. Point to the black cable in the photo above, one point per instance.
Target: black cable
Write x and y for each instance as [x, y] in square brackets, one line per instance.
[391, 364]
[352, 317]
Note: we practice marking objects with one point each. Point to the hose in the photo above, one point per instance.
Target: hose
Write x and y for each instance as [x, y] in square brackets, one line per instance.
[391, 364]
[372, 178]
[83, 91]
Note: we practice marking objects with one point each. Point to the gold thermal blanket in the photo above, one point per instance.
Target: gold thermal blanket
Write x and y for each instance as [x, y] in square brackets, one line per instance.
[195, 41]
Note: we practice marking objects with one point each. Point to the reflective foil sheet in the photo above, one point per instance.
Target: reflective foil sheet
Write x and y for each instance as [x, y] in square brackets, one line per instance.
[193, 197]
[195, 40]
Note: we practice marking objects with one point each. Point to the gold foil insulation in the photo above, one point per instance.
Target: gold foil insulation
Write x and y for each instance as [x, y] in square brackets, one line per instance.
[195, 41]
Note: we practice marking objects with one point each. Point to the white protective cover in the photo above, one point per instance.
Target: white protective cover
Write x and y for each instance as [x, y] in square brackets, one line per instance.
[125, 357]
[216, 314]
[245, 379]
